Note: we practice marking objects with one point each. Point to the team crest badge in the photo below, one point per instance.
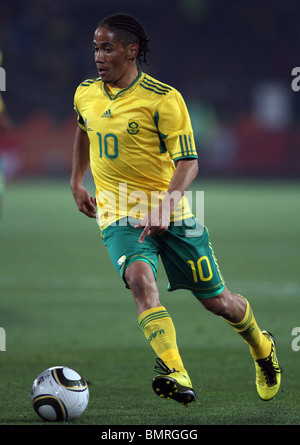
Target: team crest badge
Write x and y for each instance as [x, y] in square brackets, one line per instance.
[121, 260]
[133, 126]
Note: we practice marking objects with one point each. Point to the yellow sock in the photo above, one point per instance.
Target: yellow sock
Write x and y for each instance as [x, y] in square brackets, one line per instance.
[260, 346]
[159, 330]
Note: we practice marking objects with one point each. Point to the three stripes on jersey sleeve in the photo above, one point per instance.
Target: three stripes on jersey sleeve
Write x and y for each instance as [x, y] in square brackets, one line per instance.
[147, 84]
[156, 87]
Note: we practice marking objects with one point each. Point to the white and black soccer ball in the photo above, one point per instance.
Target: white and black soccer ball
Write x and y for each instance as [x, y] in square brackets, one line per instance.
[59, 393]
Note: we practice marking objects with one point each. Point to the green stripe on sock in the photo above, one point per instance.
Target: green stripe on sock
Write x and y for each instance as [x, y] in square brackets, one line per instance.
[154, 316]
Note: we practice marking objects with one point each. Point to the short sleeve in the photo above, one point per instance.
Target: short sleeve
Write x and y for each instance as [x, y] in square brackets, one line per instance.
[175, 128]
[80, 119]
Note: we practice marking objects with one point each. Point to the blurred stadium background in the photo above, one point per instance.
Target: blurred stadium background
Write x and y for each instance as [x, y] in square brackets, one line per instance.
[231, 60]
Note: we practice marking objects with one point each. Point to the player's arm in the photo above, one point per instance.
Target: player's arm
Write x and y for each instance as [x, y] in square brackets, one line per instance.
[174, 127]
[185, 173]
[158, 220]
[81, 161]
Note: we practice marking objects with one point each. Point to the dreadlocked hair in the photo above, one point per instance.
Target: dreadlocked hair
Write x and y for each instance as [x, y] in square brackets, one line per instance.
[128, 29]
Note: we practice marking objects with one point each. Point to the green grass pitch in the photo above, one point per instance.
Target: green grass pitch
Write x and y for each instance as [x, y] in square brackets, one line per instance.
[62, 303]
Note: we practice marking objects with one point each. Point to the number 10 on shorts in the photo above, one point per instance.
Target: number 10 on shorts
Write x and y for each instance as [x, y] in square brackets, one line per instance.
[197, 269]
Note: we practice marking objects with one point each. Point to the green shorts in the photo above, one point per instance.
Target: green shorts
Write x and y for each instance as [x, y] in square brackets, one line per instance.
[185, 251]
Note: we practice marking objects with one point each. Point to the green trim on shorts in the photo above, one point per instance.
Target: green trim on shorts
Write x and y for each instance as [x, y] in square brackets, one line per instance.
[133, 259]
[195, 291]
[201, 295]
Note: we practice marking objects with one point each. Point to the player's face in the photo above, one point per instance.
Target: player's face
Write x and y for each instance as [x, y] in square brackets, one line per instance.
[114, 62]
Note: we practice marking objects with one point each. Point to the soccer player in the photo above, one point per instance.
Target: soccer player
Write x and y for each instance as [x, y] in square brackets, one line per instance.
[135, 133]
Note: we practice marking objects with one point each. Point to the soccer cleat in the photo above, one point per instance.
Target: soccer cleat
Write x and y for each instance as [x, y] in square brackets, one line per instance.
[171, 384]
[268, 373]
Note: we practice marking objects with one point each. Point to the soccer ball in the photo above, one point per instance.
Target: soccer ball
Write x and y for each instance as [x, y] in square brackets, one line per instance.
[59, 393]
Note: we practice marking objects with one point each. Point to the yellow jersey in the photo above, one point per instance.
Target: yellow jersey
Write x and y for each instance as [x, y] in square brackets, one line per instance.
[136, 134]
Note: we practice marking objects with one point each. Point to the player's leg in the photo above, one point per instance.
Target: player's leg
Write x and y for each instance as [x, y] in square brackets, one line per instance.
[237, 311]
[197, 268]
[137, 264]
[153, 318]
[141, 281]
[158, 328]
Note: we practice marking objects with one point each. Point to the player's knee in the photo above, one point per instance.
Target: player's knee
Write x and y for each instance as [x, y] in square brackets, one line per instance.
[140, 285]
[143, 287]
[219, 305]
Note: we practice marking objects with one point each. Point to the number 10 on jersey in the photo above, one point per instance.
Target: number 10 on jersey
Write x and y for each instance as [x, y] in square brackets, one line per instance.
[108, 145]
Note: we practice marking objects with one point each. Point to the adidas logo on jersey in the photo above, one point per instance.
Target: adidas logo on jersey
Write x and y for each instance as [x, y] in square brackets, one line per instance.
[107, 114]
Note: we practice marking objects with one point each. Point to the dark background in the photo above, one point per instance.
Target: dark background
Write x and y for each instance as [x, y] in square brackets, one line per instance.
[231, 60]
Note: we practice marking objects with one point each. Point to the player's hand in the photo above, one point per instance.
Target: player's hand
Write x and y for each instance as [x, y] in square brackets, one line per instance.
[85, 203]
[155, 223]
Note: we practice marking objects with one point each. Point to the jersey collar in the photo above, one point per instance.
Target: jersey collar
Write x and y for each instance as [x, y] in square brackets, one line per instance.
[124, 91]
